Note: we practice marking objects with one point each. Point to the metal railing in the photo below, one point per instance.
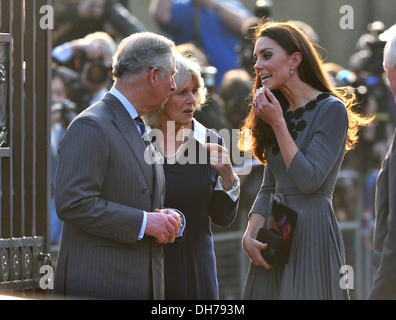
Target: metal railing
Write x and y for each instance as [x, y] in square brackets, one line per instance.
[25, 67]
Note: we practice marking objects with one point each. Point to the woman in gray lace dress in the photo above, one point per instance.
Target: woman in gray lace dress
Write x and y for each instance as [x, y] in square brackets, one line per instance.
[301, 129]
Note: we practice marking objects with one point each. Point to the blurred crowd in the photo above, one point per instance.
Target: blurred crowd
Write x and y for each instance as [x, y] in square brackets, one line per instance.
[86, 35]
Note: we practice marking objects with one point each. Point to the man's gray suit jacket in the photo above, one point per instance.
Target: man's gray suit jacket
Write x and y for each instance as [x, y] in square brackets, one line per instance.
[384, 258]
[103, 184]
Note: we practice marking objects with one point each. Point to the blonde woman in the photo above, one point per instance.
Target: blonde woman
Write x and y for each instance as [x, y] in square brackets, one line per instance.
[200, 182]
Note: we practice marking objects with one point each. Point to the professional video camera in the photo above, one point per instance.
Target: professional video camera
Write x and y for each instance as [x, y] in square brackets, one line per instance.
[121, 19]
[371, 48]
[366, 72]
[366, 76]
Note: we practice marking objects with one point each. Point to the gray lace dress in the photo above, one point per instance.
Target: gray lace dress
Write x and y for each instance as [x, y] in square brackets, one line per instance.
[317, 253]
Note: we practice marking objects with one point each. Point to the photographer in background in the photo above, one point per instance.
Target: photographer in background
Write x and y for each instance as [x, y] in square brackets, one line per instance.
[366, 74]
[384, 259]
[214, 26]
[91, 58]
[77, 18]
[244, 49]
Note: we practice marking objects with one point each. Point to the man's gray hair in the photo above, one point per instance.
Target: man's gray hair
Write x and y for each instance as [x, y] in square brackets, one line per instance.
[390, 48]
[141, 52]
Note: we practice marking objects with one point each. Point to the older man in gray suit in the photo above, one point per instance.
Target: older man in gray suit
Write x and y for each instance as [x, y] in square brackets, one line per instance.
[384, 281]
[108, 197]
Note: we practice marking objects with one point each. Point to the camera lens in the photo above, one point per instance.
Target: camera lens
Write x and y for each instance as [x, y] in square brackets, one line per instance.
[209, 75]
[97, 73]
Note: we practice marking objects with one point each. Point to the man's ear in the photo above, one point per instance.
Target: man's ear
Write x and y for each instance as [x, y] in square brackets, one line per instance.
[154, 77]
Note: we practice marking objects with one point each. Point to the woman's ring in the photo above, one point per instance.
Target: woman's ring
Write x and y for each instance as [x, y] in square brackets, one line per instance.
[255, 104]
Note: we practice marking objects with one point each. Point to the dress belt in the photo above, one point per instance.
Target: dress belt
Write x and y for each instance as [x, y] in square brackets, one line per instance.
[283, 195]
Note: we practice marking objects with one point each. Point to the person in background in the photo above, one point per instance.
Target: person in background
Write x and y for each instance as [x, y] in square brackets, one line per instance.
[78, 18]
[301, 128]
[213, 26]
[109, 198]
[384, 259]
[90, 57]
[62, 112]
[204, 188]
[235, 91]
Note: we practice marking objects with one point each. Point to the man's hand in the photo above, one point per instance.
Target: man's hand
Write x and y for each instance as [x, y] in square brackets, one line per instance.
[164, 225]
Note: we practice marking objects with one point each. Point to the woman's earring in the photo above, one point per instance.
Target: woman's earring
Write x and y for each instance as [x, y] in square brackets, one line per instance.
[291, 71]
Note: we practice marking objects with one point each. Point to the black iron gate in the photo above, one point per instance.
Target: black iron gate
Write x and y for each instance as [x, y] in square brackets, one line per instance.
[25, 64]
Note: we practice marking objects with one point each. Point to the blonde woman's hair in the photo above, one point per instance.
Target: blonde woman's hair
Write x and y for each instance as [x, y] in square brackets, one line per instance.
[187, 69]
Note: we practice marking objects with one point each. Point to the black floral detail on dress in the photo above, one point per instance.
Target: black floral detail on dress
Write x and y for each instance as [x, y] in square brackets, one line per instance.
[293, 122]
[298, 113]
[301, 125]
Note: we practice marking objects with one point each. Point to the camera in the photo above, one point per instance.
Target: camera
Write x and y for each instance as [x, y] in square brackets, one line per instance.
[366, 74]
[209, 75]
[67, 109]
[365, 77]
[263, 8]
[96, 70]
[371, 48]
[121, 19]
[244, 49]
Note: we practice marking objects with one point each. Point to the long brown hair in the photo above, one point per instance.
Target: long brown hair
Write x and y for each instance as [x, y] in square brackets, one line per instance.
[310, 71]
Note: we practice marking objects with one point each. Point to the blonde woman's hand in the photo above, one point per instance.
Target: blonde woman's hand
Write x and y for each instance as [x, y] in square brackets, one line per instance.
[220, 160]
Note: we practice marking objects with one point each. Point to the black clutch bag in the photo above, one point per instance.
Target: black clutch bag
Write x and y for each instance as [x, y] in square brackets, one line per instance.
[278, 233]
[275, 253]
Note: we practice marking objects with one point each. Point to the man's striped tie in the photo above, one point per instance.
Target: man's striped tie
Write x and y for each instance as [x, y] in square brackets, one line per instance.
[142, 127]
